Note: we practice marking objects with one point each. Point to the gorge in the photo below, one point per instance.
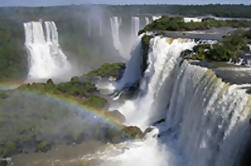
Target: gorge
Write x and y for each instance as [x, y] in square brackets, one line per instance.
[152, 104]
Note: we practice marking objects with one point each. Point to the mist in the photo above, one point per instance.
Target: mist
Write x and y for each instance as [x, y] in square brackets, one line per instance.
[85, 35]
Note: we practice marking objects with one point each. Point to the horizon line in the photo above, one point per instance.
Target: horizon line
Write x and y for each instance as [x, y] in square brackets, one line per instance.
[149, 4]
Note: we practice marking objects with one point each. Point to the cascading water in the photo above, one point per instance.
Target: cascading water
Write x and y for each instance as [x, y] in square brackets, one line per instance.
[47, 60]
[162, 60]
[135, 27]
[132, 72]
[210, 117]
[115, 27]
[147, 20]
[206, 120]
[131, 49]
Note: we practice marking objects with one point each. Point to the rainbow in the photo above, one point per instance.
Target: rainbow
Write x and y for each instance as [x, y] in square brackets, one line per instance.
[71, 102]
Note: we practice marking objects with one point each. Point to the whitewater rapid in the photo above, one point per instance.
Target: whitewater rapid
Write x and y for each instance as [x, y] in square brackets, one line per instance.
[46, 58]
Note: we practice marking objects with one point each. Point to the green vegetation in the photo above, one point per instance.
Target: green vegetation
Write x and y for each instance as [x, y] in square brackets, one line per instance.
[96, 102]
[177, 24]
[247, 36]
[8, 149]
[43, 146]
[32, 122]
[13, 61]
[230, 47]
[71, 88]
[36, 121]
[145, 41]
[79, 87]
[127, 132]
[108, 70]
[234, 10]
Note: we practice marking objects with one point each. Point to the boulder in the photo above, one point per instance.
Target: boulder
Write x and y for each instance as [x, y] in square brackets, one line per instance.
[133, 131]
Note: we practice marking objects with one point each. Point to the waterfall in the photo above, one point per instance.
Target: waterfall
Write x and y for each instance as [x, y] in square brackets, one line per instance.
[210, 117]
[115, 27]
[135, 27]
[133, 69]
[46, 59]
[147, 20]
[162, 59]
[206, 119]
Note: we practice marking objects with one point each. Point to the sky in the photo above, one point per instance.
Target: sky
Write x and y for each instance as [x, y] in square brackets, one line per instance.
[69, 2]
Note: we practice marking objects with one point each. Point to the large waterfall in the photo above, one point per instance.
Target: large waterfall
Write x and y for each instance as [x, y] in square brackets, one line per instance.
[126, 41]
[135, 27]
[210, 117]
[205, 119]
[47, 60]
[162, 60]
[115, 26]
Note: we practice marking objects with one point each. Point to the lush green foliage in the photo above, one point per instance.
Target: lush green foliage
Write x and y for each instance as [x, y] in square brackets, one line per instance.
[239, 11]
[229, 48]
[80, 87]
[145, 46]
[75, 88]
[247, 36]
[96, 102]
[108, 70]
[178, 24]
[36, 122]
[43, 146]
[13, 61]
[36, 119]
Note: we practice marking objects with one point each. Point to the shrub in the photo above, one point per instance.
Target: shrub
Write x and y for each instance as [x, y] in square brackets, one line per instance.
[43, 146]
[95, 102]
[108, 70]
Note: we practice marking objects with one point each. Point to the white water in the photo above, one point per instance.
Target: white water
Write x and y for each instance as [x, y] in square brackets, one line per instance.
[47, 60]
[135, 27]
[145, 153]
[115, 27]
[164, 51]
[156, 17]
[209, 116]
[207, 120]
[132, 72]
[133, 66]
[147, 20]
[192, 19]
[131, 50]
